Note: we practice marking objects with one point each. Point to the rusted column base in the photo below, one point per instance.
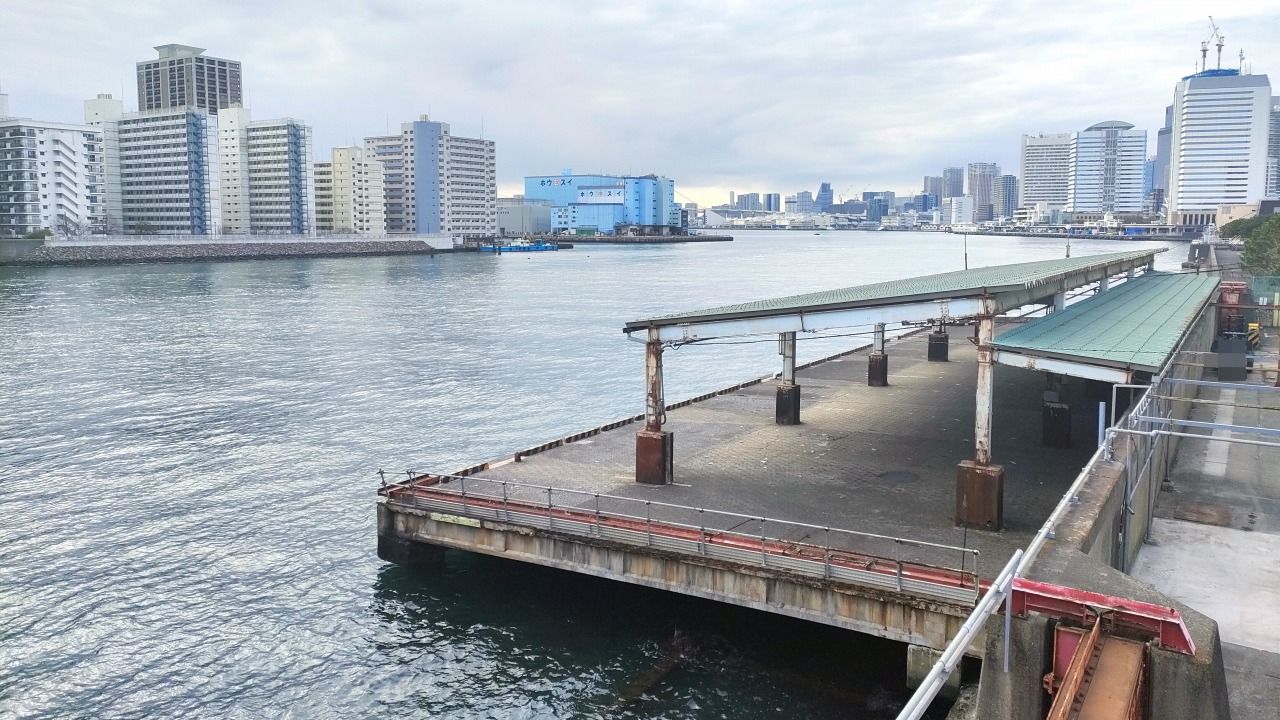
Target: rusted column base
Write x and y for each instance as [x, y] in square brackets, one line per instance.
[788, 412]
[1056, 421]
[980, 496]
[655, 457]
[939, 347]
[409, 553]
[878, 369]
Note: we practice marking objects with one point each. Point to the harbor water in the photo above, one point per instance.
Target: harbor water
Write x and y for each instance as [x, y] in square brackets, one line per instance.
[189, 456]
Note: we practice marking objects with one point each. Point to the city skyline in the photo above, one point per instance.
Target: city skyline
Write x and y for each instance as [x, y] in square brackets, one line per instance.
[884, 110]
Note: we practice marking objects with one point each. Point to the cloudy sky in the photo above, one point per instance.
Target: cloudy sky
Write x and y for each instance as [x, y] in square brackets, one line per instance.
[720, 96]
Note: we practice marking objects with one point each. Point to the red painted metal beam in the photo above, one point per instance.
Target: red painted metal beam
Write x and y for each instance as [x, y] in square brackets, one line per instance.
[1157, 621]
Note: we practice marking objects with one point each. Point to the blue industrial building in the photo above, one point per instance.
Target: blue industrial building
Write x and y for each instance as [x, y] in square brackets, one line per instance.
[608, 204]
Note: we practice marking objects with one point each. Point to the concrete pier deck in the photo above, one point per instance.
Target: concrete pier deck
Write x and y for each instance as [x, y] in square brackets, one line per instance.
[870, 459]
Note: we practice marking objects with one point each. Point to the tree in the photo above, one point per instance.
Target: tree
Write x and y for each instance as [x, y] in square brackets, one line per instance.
[1243, 227]
[1262, 248]
[144, 228]
[66, 227]
[38, 234]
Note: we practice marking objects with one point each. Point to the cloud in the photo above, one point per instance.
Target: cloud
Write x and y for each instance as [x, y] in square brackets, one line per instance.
[721, 96]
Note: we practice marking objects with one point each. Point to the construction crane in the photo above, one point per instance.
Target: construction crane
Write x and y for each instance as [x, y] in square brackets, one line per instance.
[1204, 45]
[840, 197]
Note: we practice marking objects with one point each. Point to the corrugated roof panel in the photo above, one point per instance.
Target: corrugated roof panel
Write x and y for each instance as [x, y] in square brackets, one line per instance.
[1136, 324]
[957, 284]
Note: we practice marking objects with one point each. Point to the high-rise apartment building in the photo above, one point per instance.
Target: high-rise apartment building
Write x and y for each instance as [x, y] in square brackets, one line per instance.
[267, 187]
[957, 210]
[184, 76]
[825, 197]
[437, 182]
[350, 197]
[952, 182]
[1273, 151]
[50, 177]
[773, 202]
[982, 188]
[1106, 169]
[932, 185]
[749, 201]
[1043, 169]
[1218, 148]
[1006, 196]
[162, 173]
[801, 203]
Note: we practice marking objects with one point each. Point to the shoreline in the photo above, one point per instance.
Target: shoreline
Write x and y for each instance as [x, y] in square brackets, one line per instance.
[122, 254]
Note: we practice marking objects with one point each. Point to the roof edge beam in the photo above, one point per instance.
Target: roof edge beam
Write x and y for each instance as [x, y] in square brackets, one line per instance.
[942, 310]
[1011, 299]
[1064, 367]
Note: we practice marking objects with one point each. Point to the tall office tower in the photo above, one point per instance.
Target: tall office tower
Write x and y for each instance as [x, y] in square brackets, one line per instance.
[1043, 169]
[1218, 149]
[1164, 136]
[50, 178]
[265, 174]
[932, 185]
[750, 201]
[825, 198]
[162, 173]
[184, 75]
[1006, 196]
[773, 202]
[1106, 168]
[952, 182]
[982, 188]
[350, 197]
[1148, 177]
[437, 182]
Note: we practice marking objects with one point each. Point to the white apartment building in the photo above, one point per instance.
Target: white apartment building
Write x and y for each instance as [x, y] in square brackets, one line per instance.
[437, 182]
[162, 173]
[1106, 168]
[350, 195]
[264, 169]
[1044, 168]
[1218, 153]
[51, 177]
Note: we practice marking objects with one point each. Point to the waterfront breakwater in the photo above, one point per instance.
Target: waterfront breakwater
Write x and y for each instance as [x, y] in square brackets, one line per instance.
[208, 250]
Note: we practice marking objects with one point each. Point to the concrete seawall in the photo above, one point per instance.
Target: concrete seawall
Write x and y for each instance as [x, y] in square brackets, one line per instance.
[108, 254]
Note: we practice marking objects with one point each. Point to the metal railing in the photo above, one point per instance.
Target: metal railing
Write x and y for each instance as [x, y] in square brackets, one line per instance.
[862, 558]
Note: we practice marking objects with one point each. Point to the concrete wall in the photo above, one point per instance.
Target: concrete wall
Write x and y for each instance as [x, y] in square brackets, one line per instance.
[14, 249]
[403, 532]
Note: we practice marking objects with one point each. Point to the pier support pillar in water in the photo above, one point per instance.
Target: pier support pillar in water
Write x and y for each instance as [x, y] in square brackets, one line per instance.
[878, 361]
[1055, 415]
[655, 455]
[788, 404]
[402, 551]
[939, 347]
[920, 660]
[979, 483]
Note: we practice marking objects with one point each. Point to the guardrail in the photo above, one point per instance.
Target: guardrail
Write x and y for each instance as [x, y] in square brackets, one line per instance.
[702, 532]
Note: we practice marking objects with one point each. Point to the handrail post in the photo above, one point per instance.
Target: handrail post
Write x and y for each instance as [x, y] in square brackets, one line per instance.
[764, 559]
[702, 532]
[597, 514]
[464, 495]
[506, 511]
[826, 556]
[648, 521]
[551, 521]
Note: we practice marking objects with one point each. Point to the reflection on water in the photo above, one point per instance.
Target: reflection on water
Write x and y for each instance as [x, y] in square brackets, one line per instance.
[187, 485]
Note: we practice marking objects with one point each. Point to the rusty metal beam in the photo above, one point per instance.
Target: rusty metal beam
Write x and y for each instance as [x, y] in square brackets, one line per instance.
[1062, 367]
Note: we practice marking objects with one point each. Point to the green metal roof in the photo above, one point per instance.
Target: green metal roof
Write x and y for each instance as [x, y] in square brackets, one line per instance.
[958, 284]
[1135, 325]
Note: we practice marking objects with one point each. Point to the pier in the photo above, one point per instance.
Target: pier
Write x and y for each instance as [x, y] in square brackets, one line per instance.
[894, 489]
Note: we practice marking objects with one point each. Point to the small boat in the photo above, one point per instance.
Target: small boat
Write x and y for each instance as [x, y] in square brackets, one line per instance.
[520, 246]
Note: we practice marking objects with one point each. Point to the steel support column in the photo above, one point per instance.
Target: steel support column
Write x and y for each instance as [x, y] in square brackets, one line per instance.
[654, 454]
[1059, 301]
[878, 361]
[980, 484]
[788, 404]
[1104, 285]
